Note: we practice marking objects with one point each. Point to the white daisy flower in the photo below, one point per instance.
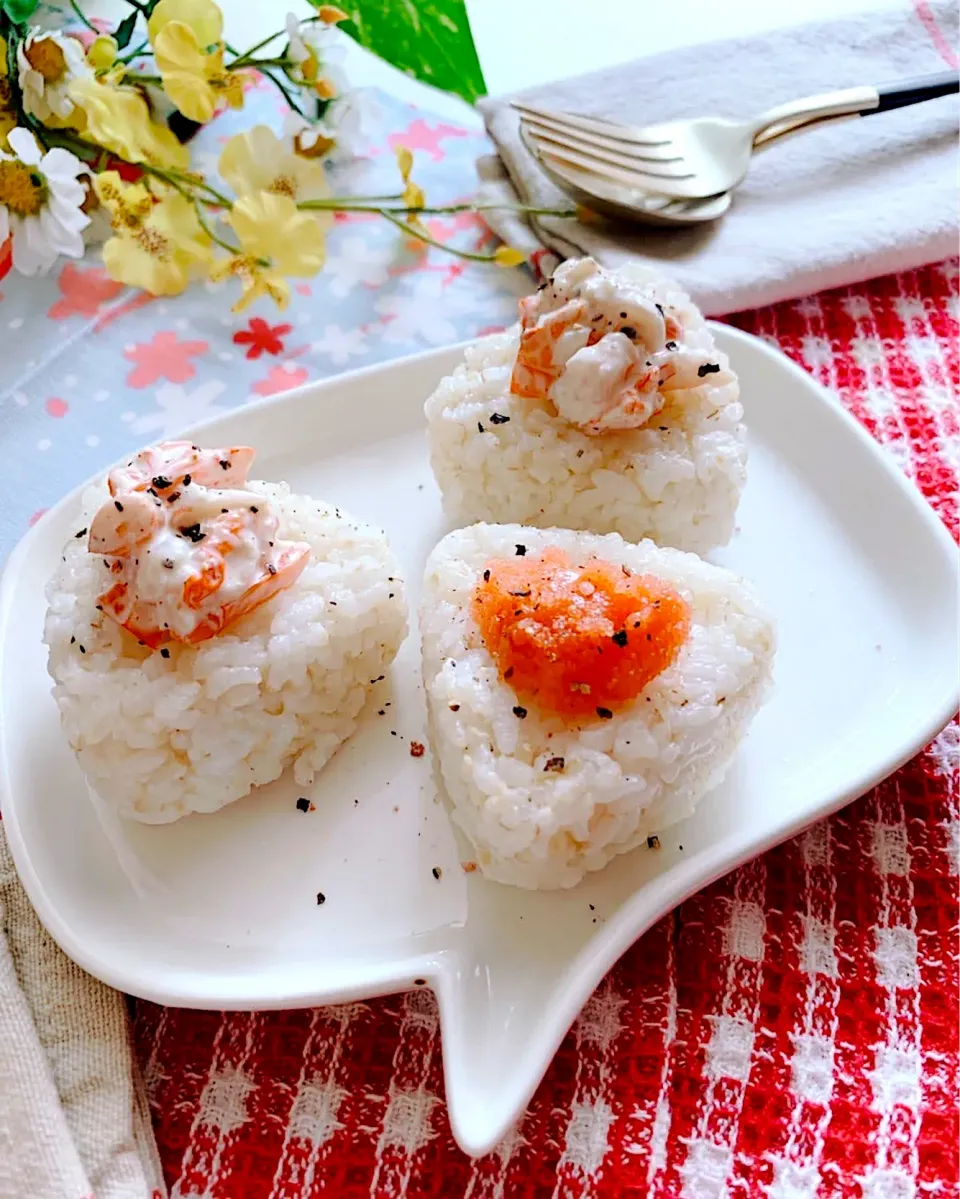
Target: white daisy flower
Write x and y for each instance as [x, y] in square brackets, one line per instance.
[48, 63]
[40, 199]
[346, 130]
[317, 50]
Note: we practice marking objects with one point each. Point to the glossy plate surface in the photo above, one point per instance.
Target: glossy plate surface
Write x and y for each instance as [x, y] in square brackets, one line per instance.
[221, 911]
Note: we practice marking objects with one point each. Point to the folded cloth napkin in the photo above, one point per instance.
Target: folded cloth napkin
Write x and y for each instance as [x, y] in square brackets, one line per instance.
[74, 1122]
[831, 206]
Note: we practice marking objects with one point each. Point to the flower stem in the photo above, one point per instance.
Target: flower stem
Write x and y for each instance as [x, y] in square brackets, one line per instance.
[141, 49]
[243, 59]
[422, 235]
[83, 20]
[362, 204]
[286, 95]
[209, 232]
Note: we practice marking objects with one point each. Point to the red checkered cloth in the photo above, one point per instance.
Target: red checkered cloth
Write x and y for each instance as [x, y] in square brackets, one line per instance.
[789, 1032]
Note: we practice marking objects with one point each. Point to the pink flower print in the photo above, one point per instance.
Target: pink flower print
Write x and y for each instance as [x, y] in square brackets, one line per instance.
[36, 516]
[56, 407]
[281, 378]
[163, 358]
[261, 337]
[421, 136]
[83, 291]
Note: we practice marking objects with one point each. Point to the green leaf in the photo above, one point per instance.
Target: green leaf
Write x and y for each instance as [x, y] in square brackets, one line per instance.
[124, 31]
[429, 39]
[19, 10]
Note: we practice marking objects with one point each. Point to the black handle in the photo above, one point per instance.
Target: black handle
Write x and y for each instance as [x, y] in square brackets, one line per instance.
[913, 91]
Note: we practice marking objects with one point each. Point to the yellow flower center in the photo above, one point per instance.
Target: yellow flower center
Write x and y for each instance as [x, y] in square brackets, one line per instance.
[46, 57]
[20, 189]
[154, 243]
[284, 185]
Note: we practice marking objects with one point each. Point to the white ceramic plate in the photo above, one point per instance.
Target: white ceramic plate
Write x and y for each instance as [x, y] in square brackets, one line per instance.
[221, 912]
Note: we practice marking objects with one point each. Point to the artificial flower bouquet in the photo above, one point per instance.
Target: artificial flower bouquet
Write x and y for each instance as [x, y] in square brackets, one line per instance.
[85, 145]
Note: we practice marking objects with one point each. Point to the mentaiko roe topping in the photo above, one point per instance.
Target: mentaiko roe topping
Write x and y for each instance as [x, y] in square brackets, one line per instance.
[577, 640]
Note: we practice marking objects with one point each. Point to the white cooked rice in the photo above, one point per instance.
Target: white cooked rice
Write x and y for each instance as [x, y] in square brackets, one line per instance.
[677, 480]
[159, 738]
[623, 779]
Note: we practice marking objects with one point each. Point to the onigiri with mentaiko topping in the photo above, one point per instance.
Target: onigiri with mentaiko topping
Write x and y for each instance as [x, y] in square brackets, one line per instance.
[608, 408]
[206, 632]
[584, 693]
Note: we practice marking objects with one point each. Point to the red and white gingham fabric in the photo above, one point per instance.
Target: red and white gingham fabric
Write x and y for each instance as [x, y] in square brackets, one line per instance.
[790, 1032]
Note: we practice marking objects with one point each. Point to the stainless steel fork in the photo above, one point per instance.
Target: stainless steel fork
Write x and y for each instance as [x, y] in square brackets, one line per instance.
[708, 156]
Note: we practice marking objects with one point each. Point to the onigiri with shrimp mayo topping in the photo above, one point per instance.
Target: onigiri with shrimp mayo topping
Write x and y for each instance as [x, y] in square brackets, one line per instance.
[584, 693]
[205, 632]
[609, 408]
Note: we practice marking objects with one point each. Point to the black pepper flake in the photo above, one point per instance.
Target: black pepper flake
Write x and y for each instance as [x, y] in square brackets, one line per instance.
[253, 508]
[271, 569]
[653, 842]
[81, 649]
[437, 873]
[80, 534]
[521, 551]
[708, 368]
[486, 576]
[168, 564]
[554, 766]
[604, 713]
[164, 653]
[591, 907]
[321, 898]
[454, 707]
[73, 640]
[419, 982]
[659, 308]
[519, 712]
[521, 594]
[192, 533]
[620, 638]
[225, 464]
[161, 482]
[118, 505]
[187, 480]
[623, 316]
[173, 497]
[223, 511]
[480, 428]
[499, 419]
[671, 345]
[628, 331]
[303, 805]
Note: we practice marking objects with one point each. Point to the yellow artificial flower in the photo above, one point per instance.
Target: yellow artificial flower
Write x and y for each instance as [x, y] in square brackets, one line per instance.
[203, 17]
[255, 280]
[8, 121]
[8, 118]
[129, 204]
[193, 79]
[119, 120]
[187, 40]
[3, 58]
[413, 196]
[160, 252]
[508, 256]
[102, 52]
[259, 161]
[404, 162]
[276, 240]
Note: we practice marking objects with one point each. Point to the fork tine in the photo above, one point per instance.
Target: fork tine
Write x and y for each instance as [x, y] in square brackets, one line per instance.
[635, 179]
[589, 125]
[617, 150]
[601, 163]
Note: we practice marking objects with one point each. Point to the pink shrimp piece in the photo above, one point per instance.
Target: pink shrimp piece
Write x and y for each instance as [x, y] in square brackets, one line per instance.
[118, 528]
[288, 567]
[537, 368]
[164, 467]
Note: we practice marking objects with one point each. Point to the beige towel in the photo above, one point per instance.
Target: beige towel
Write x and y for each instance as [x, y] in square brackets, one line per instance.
[74, 1122]
[833, 206]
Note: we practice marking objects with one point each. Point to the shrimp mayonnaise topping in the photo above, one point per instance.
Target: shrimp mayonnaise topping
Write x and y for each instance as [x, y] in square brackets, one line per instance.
[603, 350]
[189, 547]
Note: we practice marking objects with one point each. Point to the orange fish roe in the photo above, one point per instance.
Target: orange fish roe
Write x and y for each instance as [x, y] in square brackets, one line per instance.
[577, 640]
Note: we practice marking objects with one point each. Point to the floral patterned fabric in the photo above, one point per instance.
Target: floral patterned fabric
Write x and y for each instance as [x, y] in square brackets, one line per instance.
[790, 1032]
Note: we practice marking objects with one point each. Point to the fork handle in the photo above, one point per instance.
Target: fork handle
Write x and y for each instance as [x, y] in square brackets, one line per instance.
[854, 101]
[914, 91]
